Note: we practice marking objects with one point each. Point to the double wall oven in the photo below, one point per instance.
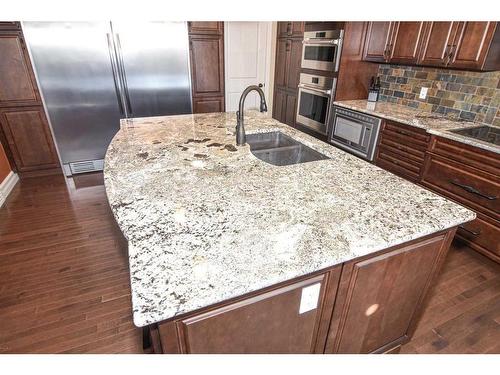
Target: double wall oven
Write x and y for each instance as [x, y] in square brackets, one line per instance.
[316, 90]
[321, 50]
[315, 101]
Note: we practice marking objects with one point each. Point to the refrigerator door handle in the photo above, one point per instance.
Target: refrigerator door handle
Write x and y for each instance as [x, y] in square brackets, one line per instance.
[123, 75]
[114, 71]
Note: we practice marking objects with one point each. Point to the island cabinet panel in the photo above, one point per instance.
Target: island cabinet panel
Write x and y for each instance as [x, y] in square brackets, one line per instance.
[380, 297]
[270, 322]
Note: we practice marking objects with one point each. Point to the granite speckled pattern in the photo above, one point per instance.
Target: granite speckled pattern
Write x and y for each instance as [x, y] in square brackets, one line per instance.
[433, 123]
[207, 221]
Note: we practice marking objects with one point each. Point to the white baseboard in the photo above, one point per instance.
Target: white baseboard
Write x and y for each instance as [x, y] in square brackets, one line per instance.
[7, 185]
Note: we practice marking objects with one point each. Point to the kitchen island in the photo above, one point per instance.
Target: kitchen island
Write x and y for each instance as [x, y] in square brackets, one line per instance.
[228, 253]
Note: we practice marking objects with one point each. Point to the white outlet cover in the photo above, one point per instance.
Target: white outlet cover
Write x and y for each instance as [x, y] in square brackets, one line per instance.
[309, 298]
[423, 92]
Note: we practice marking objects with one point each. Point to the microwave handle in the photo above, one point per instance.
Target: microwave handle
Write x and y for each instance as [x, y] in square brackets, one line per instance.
[302, 86]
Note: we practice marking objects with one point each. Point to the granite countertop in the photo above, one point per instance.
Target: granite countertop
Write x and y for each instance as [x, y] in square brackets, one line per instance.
[433, 123]
[207, 221]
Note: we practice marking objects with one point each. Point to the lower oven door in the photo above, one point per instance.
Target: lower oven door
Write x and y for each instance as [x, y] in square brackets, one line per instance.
[313, 108]
[320, 56]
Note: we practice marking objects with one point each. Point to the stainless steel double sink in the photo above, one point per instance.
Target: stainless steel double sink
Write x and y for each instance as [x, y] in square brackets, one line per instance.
[279, 149]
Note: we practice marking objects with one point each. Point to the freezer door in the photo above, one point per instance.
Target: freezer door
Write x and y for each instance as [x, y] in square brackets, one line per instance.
[154, 66]
[73, 66]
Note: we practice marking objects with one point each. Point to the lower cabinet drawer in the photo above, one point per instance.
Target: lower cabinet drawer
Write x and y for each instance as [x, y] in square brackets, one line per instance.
[389, 160]
[482, 234]
[474, 188]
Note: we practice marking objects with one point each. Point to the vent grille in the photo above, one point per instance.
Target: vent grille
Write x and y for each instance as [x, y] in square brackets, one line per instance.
[86, 166]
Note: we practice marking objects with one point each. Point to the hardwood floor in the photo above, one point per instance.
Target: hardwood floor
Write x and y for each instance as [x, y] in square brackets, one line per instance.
[64, 283]
[463, 313]
[63, 271]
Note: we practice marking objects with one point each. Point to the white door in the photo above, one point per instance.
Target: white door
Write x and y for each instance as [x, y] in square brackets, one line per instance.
[247, 47]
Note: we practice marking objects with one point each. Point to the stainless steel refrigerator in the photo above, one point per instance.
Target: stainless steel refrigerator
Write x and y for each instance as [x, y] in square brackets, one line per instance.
[92, 74]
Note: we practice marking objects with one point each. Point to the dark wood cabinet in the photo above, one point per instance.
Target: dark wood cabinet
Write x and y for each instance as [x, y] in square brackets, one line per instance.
[401, 150]
[285, 107]
[206, 27]
[206, 48]
[29, 138]
[24, 129]
[395, 42]
[370, 304]
[354, 74]
[405, 43]
[378, 38]
[437, 42]
[287, 71]
[473, 47]
[17, 82]
[290, 29]
[10, 25]
[379, 298]
[268, 322]
[208, 105]
[469, 176]
[461, 45]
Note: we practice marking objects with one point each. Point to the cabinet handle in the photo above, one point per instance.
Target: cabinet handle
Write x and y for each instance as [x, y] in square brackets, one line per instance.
[470, 231]
[288, 28]
[288, 45]
[472, 190]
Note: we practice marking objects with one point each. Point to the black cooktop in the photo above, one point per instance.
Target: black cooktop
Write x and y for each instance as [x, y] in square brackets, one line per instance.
[483, 133]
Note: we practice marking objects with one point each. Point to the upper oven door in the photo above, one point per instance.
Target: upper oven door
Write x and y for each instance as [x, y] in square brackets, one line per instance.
[313, 108]
[321, 55]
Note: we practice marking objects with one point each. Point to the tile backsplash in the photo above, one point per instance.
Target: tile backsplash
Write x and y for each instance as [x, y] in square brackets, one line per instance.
[473, 96]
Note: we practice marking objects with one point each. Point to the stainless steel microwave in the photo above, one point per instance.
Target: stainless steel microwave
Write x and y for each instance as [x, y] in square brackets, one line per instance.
[354, 131]
[321, 50]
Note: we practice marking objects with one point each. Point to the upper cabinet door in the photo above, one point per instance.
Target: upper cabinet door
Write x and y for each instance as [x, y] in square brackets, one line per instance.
[437, 43]
[377, 40]
[471, 44]
[207, 65]
[290, 29]
[282, 53]
[17, 83]
[406, 41]
[206, 27]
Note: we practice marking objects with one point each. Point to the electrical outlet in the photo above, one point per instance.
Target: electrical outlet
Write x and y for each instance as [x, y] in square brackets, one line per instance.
[423, 93]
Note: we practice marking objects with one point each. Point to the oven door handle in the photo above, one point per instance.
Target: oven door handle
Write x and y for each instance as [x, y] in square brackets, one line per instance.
[303, 86]
[321, 42]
